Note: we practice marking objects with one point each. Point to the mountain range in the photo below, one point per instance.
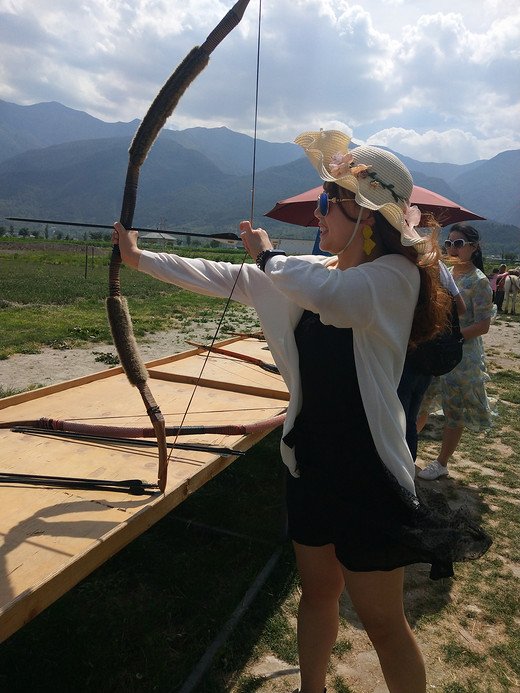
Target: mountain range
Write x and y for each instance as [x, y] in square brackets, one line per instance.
[59, 163]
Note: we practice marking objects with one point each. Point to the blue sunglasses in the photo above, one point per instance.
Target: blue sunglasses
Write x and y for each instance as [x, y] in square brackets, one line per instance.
[324, 202]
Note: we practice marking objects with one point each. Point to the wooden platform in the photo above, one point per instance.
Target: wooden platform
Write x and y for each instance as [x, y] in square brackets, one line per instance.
[51, 538]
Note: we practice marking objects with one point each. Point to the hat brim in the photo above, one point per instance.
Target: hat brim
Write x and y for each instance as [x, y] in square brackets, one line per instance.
[387, 190]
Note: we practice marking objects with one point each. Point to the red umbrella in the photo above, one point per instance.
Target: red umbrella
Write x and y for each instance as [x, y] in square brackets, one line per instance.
[445, 211]
[300, 208]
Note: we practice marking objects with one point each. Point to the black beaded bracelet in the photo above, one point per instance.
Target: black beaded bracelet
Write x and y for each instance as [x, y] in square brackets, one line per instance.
[264, 256]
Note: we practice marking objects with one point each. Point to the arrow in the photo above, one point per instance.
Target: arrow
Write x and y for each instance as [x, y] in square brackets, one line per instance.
[252, 335]
[242, 357]
[225, 237]
[197, 447]
[133, 486]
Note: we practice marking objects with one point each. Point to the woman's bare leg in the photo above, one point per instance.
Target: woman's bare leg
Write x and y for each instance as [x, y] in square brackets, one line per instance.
[378, 600]
[318, 615]
[421, 421]
[450, 439]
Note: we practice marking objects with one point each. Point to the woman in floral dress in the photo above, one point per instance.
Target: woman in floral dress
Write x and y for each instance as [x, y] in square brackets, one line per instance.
[462, 392]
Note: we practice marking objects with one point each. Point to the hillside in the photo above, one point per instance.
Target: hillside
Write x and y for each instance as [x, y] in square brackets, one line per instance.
[72, 166]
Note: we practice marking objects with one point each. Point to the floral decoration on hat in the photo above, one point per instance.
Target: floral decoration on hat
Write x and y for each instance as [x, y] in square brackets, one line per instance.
[340, 163]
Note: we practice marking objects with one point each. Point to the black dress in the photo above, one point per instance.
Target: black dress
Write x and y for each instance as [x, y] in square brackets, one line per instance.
[345, 495]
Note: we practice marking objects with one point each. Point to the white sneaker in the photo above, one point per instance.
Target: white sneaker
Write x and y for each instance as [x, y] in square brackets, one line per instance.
[433, 471]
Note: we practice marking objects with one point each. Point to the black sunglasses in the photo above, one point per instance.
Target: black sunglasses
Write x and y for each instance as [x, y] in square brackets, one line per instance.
[324, 202]
[457, 243]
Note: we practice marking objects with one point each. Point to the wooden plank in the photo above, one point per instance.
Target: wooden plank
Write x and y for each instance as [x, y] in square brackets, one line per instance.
[53, 537]
[223, 372]
[6, 402]
[219, 385]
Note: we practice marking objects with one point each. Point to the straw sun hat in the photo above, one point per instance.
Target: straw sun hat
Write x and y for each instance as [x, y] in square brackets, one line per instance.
[379, 180]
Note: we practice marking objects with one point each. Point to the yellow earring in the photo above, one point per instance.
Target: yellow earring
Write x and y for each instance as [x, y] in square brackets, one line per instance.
[368, 245]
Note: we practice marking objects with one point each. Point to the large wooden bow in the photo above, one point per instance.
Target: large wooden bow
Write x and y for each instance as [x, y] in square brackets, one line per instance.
[117, 308]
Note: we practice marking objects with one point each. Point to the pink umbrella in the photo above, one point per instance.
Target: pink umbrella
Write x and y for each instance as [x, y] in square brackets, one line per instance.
[300, 208]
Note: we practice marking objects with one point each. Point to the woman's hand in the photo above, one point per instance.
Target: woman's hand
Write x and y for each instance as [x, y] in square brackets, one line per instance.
[476, 329]
[127, 241]
[255, 240]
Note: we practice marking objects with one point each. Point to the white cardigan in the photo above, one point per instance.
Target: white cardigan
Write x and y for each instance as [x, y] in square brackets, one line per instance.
[376, 299]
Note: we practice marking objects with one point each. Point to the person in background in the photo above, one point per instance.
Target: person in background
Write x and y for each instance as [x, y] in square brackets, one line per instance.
[501, 286]
[413, 383]
[493, 278]
[500, 281]
[338, 328]
[462, 392]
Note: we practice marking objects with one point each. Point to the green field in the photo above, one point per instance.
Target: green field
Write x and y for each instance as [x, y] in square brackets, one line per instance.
[57, 299]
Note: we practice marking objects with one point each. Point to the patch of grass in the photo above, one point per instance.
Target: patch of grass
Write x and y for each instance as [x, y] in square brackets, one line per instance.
[487, 465]
[340, 686]
[8, 392]
[505, 657]
[280, 635]
[48, 301]
[469, 687]
[507, 382]
[341, 647]
[106, 357]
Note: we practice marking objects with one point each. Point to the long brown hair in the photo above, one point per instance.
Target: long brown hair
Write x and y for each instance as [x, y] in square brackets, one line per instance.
[433, 309]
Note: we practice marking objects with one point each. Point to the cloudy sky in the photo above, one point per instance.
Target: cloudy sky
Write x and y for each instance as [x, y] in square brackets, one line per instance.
[437, 80]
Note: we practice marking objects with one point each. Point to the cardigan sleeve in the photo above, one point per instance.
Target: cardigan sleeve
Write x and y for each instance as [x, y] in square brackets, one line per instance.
[204, 276]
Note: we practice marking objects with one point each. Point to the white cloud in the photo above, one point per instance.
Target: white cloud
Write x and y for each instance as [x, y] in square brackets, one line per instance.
[435, 146]
[437, 78]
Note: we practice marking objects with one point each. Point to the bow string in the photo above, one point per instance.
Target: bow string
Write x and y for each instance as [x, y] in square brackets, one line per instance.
[150, 127]
[230, 296]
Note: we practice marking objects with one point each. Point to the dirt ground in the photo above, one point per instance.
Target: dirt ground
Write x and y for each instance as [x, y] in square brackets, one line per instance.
[359, 666]
[50, 366]
[26, 371]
